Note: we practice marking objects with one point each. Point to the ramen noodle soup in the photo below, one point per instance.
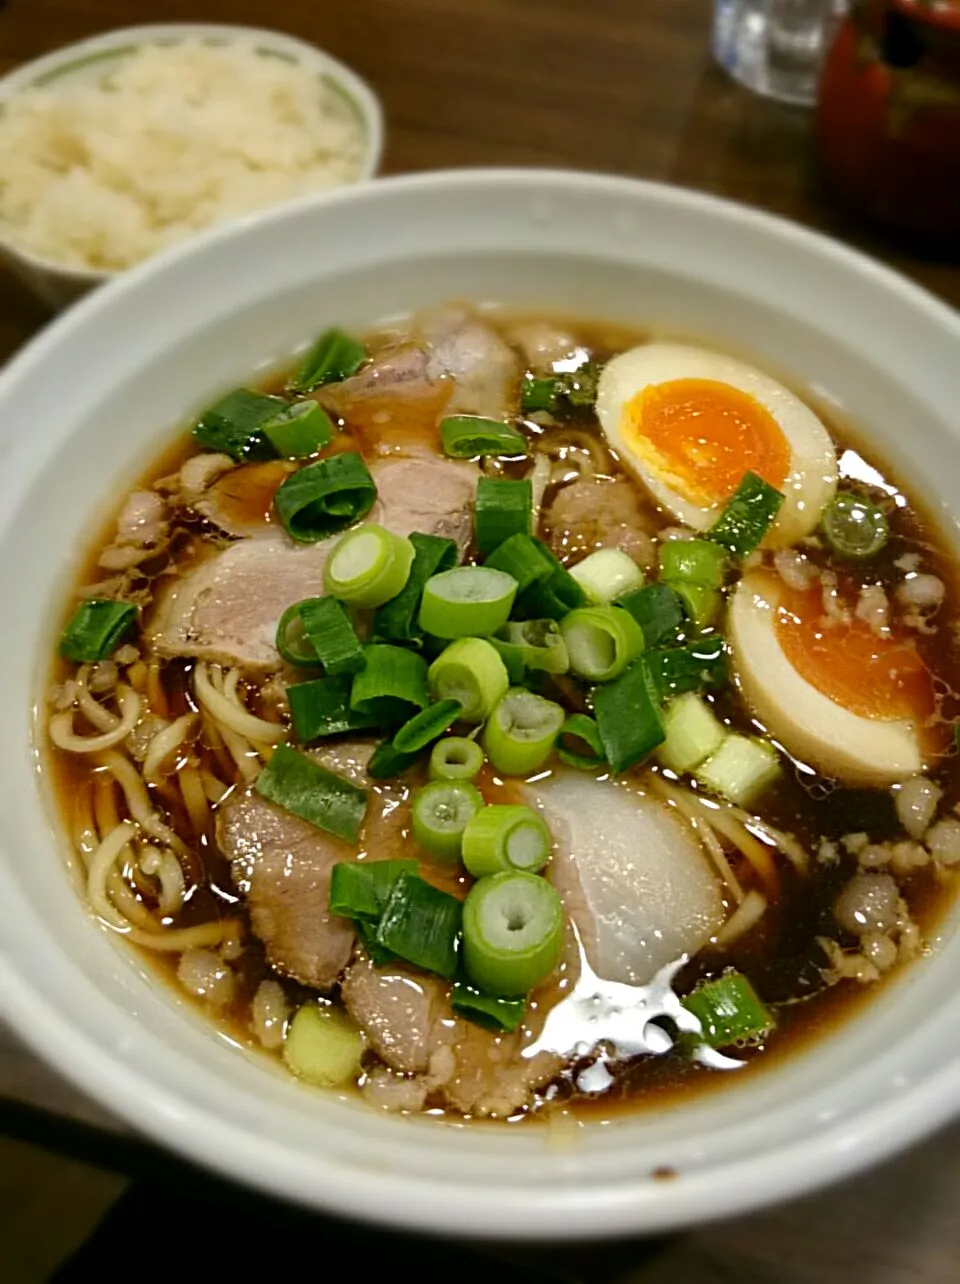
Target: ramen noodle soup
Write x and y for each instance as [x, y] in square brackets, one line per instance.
[497, 716]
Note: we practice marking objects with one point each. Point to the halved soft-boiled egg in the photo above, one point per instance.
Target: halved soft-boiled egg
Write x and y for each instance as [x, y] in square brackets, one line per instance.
[850, 701]
[689, 423]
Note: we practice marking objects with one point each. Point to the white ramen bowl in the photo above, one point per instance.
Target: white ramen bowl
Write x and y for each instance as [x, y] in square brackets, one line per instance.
[85, 61]
[88, 405]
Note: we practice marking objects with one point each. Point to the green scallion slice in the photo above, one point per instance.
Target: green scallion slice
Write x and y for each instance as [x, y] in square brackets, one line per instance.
[521, 732]
[299, 430]
[323, 498]
[233, 425]
[579, 744]
[700, 605]
[628, 717]
[397, 620]
[551, 596]
[539, 393]
[499, 1015]
[455, 758]
[749, 514]
[693, 561]
[657, 609]
[333, 357]
[469, 601]
[292, 641]
[512, 932]
[855, 528]
[503, 508]
[505, 837]
[580, 385]
[392, 686]
[361, 889]
[422, 925]
[330, 632]
[471, 672]
[601, 641]
[534, 644]
[606, 574]
[386, 762]
[301, 786]
[368, 566]
[697, 666]
[322, 708]
[729, 1011]
[323, 1046]
[470, 436]
[424, 727]
[441, 812]
[96, 629]
[693, 733]
[523, 558]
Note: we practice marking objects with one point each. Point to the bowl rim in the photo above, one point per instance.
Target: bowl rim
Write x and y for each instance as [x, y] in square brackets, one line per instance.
[420, 1203]
[362, 97]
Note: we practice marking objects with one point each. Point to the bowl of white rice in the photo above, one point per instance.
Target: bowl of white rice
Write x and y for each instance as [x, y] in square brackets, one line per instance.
[113, 148]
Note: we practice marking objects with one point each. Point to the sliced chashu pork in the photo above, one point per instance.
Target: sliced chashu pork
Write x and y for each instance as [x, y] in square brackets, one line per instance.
[282, 865]
[599, 513]
[630, 872]
[227, 610]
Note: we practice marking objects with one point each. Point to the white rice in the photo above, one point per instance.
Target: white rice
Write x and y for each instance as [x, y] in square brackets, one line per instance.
[170, 140]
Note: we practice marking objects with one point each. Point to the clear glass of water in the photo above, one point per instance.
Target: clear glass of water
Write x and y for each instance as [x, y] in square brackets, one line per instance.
[775, 47]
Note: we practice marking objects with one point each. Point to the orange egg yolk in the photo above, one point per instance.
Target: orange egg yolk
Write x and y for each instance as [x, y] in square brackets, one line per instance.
[701, 436]
[875, 675]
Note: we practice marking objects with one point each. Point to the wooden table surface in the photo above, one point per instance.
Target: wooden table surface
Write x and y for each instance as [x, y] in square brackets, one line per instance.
[624, 86]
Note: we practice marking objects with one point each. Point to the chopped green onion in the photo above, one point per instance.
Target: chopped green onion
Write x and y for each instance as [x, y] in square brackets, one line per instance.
[605, 574]
[579, 729]
[512, 932]
[424, 727]
[512, 658]
[523, 558]
[601, 641]
[292, 641]
[422, 925]
[397, 620]
[748, 516]
[333, 357]
[469, 601]
[693, 733]
[855, 528]
[657, 609]
[701, 605]
[387, 762]
[693, 561]
[441, 812]
[504, 837]
[360, 889]
[322, 708]
[539, 393]
[323, 1046]
[391, 686]
[471, 672]
[729, 1011]
[535, 644]
[368, 566]
[551, 596]
[521, 732]
[301, 786]
[503, 508]
[740, 769]
[299, 430]
[233, 425]
[628, 717]
[468, 436]
[499, 1015]
[321, 499]
[330, 632]
[367, 933]
[455, 758]
[580, 385]
[96, 629]
[698, 666]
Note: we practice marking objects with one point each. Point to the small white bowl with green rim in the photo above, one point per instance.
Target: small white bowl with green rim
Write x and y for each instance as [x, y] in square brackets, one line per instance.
[85, 61]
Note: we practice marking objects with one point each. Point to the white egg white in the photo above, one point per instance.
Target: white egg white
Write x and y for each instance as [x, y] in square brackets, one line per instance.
[810, 726]
[812, 477]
